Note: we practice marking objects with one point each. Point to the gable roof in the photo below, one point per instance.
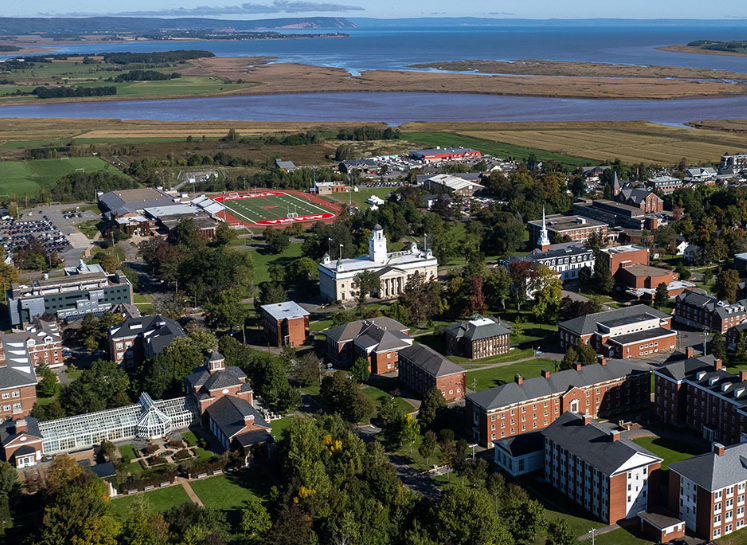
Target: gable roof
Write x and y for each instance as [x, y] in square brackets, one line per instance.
[707, 302]
[714, 472]
[593, 443]
[522, 444]
[203, 378]
[349, 331]
[683, 369]
[588, 324]
[380, 339]
[429, 360]
[230, 415]
[8, 430]
[157, 331]
[556, 383]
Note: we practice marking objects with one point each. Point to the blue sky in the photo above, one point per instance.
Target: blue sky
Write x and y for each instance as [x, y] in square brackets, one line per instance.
[254, 9]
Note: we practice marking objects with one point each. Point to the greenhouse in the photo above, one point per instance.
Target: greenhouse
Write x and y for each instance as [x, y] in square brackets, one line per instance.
[147, 420]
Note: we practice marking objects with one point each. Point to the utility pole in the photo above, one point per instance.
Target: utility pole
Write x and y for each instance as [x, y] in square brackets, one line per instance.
[593, 535]
[705, 339]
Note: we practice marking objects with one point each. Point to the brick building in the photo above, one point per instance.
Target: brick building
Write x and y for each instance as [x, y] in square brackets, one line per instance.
[421, 368]
[628, 332]
[522, 406]
[665, 184]
[705, 311]
[624, 256]
[17, 376]
[285, 323]
[639, 197]
[363, 338]
[708, 491]
[611, 477]
[41, 340]
[660, 525]
[224, 402]
[700, 394]
[578, 228]
[136, 340]
[641, 281]
[20, 442]
[478, 337]
[567, 259]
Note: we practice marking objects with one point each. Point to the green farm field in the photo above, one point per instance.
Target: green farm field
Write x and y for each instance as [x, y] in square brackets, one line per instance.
[28, 177]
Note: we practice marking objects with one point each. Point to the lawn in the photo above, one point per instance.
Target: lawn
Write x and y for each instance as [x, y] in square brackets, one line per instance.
[488, 378]
[622, 536]
[190, 438]
[262, 261]
[377, 397]
[511, 355]
[128, 451]
[89, 228]
[160, 500]
[228, 492]
[280, 425]
[361, 196]
[29, 177]
[669, 449]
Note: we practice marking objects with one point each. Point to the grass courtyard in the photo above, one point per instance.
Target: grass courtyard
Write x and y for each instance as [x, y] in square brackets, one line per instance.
[159, 500]
[670, 450]
[483, 379]
[228, 492]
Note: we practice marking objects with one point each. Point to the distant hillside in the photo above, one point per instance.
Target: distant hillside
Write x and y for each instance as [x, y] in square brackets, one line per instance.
[90, 25]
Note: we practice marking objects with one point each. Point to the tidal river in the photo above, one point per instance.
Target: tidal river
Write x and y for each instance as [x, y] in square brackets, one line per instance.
[392, 108]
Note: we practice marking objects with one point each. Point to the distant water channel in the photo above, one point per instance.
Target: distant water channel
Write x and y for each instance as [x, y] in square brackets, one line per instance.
[392, 108]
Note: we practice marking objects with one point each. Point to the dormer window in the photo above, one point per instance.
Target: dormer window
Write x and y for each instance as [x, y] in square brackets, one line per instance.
[712, 381]
[725, 386]
[700, 375]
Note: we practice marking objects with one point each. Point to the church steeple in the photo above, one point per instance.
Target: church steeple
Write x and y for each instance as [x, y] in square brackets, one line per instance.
[615, 185]
[377, 250]
[544, 239]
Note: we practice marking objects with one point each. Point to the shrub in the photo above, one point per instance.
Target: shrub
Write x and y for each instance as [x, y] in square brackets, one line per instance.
[155, 461]
[183, 455]
[150, 449]
[176, 444]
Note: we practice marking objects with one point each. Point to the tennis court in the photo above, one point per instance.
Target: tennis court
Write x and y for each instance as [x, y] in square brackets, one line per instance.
[273, 208]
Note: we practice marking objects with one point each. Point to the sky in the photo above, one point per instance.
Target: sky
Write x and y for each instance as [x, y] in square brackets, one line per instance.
[257, 9]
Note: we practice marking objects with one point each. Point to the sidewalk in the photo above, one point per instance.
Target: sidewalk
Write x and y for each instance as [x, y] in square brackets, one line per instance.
[188, 489]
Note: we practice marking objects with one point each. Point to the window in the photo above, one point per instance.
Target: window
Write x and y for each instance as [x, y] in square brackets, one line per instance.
[6, 395]
[16, 394]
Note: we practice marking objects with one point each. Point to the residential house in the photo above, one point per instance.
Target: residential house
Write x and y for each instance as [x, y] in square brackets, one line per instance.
[341, 341]
[20, 441]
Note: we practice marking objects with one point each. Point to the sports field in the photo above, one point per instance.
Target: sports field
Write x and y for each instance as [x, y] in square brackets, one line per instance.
[273, 208]
[28, 177]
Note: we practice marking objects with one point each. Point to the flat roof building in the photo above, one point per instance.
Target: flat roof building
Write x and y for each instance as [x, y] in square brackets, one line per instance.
[285, 323]
[578, 228]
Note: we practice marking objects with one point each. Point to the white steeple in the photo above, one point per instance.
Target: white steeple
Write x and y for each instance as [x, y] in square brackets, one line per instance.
[544, 240]
[377, 245]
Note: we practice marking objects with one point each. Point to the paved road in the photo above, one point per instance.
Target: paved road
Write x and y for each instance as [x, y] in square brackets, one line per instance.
[573, 296]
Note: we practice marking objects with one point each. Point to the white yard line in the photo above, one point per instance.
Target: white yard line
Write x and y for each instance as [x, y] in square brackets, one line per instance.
[309, 203]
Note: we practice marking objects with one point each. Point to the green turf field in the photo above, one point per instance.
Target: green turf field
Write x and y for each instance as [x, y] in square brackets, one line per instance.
[29, 177]
[263, 210]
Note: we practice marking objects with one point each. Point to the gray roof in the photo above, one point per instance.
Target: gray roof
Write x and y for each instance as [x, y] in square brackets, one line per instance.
[348, 332]
[201, 377]
[381, 340]
[681, 370]
[659, 517]
[562, 381]
[229, 414]
[8, 430]
[288, 310]
[586, 325]
[637, 194]
[593, 443]
[477, 328]
[714, 472]
[129, 201]
[429, 360]
[711, 304]
[703, 373]
[157, 331]
[522, 444]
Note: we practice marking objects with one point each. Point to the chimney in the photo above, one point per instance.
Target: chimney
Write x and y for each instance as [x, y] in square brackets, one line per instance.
[614, 435]
[603, 361]
[545, 373]
[689, 352]
[499, 319]
[718, 365]
[21, 426]
[518, 379]
[743, 375]
[248, 419]
[587, 419]
[576, 366]
[718, 448]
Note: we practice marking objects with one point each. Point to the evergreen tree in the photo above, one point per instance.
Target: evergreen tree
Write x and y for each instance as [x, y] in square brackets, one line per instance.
[361, 370]
[662, 295]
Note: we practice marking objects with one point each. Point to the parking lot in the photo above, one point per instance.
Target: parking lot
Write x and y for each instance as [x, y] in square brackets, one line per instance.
[65, 217]
[17, 233]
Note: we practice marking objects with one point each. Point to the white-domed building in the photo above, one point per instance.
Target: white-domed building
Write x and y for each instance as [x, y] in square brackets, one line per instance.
[336, 277]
